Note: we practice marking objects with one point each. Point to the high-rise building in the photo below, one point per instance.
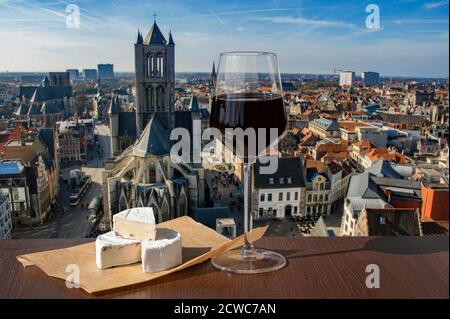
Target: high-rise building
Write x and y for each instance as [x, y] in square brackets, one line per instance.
[346, 78]
[370, 78]
[89, 74]
[105, 71]
[155, 77]
[74, 74]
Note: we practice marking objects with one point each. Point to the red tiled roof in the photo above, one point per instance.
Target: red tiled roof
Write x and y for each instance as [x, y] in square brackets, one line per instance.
[16, 133]
[365, 144]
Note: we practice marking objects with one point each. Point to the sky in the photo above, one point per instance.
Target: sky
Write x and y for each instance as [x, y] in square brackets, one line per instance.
[309, 36]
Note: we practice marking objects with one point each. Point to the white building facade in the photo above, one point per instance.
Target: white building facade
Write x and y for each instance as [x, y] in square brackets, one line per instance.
[282, 194]
[346, 78]
[277, 202]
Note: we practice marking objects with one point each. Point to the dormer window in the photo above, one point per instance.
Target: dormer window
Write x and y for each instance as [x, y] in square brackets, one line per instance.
[382, 220]
[281, 180]
[289, 180]
[271, 181]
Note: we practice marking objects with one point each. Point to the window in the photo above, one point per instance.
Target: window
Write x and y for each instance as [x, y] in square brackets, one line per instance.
[281, 180]
[288, 196]
[309, 198]
[326, 197]
[289, 180]
[274, 211]
[296, 196]
[280, 197]
[269, 197]
[263, 197]
[295, 209]
[152, 175]
[382, 220]
[320, 198]
[315, 198]
[271, 181]
[261, 212]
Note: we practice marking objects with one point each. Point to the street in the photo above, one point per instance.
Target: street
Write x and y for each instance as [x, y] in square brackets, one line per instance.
[73, 222]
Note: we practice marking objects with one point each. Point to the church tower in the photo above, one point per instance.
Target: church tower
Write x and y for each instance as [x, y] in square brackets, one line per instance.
[212, 83]
[113, 114]
[155, 77]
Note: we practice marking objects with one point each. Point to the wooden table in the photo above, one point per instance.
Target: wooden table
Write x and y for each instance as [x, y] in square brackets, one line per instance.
[317, 268]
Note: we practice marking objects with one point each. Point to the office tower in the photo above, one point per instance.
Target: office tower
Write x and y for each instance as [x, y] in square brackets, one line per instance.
[105, 71]
[74, 74]
[370, 78]
[90, 74]
[346, 78]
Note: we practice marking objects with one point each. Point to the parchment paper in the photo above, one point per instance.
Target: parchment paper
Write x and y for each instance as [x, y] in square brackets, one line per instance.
[200, 243]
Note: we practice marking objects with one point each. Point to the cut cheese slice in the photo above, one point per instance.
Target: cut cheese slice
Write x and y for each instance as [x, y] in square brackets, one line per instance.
[111, 251]
[163, 253]
[136, 223]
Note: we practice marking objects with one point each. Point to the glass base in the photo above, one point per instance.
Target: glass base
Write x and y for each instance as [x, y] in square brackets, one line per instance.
[256, 261]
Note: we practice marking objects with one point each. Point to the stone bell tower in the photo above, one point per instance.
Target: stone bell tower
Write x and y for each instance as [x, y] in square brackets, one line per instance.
[155, 77]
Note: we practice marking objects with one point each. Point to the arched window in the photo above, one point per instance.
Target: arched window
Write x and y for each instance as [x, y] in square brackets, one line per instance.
[182, 206]
[160, 99]
[161, 66]
[148, 66]
[158, 68]
[122, 204]
[156, 213]
[152, 174]
[165, 211]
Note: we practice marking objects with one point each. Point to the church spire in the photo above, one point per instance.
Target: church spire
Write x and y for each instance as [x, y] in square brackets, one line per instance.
[45, 82]
[171, 42]
[213, 73]
[155, 36]
[140, 40]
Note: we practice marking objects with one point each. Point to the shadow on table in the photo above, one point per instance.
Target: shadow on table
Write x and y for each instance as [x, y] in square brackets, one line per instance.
[189, 253]
[388, 245]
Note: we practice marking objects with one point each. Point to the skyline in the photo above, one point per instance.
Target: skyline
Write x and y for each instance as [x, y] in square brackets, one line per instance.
[413, 39]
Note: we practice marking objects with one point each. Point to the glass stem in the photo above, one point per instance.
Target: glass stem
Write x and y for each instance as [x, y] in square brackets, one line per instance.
[247, 249]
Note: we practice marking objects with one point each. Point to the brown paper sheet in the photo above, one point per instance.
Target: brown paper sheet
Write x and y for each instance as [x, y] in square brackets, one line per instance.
[199, 242]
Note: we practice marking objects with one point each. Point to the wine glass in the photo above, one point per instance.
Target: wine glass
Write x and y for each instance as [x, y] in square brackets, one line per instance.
[248, 109]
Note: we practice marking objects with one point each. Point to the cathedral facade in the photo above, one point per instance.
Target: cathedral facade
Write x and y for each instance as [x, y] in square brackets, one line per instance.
[140, 172]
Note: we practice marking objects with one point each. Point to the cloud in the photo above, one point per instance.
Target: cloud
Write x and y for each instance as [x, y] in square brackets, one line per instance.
[421, 21]
[434, 5]
[307, 22]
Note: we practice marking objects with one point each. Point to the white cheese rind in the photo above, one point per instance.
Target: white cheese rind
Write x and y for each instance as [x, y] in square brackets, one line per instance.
[111, 251]
[136, 223]
[163, 253]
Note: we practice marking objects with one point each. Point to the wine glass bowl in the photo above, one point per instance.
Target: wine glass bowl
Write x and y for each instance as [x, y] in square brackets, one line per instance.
[248, 99]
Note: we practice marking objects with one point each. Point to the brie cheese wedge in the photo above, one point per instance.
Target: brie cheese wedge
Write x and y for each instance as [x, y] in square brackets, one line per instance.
[136, 223]
[163, 253]
[113, 251]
